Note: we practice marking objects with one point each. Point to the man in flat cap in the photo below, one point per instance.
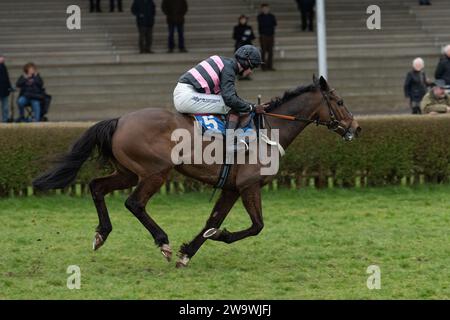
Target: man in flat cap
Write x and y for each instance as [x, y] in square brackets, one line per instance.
[436, 101]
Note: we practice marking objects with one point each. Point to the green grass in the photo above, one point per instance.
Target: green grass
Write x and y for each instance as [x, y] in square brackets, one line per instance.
[315, 245]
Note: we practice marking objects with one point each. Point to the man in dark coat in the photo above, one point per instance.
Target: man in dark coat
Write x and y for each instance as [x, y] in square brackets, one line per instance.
[5, 89]
[443, 67]
[144, 10]
[266, 27]
[95, 6]
[112, 5]
[175, 10]
[306, 8]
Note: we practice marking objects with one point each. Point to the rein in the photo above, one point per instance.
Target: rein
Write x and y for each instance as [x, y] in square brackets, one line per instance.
[292, 118]
[333, 124]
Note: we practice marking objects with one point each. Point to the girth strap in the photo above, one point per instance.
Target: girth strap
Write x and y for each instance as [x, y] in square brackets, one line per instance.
[223, 175]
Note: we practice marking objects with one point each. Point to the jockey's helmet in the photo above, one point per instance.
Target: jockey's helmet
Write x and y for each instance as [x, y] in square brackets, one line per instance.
[248, 56]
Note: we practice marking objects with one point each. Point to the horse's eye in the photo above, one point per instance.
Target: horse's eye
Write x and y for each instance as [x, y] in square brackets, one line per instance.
[340, 103]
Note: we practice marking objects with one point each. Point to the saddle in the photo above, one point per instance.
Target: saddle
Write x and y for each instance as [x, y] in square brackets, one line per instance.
[217, 123]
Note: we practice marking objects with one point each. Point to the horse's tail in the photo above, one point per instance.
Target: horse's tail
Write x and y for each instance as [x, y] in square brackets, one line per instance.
[66, 168]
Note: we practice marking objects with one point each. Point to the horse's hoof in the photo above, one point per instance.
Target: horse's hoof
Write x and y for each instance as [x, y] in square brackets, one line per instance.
[183, 262]
[166, 252]
[98, 241]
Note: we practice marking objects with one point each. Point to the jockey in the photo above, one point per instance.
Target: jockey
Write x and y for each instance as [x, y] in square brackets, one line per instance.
[209, 87]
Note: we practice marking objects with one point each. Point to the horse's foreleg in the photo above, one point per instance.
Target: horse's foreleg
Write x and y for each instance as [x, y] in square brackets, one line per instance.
[99, 188]
[136, 203]
[251, 198]
[220, 211]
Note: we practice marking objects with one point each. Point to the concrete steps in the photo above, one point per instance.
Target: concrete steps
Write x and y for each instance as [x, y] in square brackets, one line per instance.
[96, 72]
[434, 19]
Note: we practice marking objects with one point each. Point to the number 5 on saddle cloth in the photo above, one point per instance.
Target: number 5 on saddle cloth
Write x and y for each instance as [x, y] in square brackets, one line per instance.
[217, 123]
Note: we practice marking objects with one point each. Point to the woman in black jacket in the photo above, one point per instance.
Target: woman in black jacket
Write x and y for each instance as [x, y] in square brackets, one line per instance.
[242, 33]
[416, 85]
[32, 92]
[5, 89]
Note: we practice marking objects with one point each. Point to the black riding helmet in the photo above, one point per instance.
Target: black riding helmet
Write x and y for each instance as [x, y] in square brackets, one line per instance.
[248, 56]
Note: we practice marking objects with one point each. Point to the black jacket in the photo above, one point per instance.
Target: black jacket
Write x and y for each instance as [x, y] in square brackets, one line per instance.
[243, 34]
[443, 70]
[5, 83]
[306, 5]
[266, 24]
[144, 10]
[31, 88]
[228, 87]
[415, 85]
[174, 10]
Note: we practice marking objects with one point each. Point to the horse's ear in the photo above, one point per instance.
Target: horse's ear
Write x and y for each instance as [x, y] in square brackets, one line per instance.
[323, 84]
[315, 79]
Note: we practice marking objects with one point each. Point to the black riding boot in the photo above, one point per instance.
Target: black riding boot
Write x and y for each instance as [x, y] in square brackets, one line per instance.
[234, 122]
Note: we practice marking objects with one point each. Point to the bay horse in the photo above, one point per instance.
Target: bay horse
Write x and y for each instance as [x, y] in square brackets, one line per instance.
[139, 146]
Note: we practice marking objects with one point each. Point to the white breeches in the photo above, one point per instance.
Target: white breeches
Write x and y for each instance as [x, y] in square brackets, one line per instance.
[187, 100]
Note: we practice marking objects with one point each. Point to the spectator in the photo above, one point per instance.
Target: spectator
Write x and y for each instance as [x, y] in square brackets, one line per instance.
[436, 101]
[144, 10]
[243, 33]
[443, 67]
[5, 89]
[31, 92]
[175, 10]
[306, 8]
[112, 5]
[416, 85]
[424, 2]
[95, 7]
[266, 26]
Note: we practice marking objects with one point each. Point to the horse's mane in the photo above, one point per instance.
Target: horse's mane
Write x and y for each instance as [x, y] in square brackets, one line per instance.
[288, 95]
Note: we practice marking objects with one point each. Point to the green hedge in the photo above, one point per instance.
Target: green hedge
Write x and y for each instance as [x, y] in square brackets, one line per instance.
[390, 149]
[28, 149]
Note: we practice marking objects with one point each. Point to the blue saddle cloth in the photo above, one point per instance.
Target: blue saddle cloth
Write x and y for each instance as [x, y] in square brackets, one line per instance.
[217, 123]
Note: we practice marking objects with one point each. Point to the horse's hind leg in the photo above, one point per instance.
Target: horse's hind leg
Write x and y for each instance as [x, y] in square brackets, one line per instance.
[220, 211]
[99, 188]
[251, 198]
[146, 188]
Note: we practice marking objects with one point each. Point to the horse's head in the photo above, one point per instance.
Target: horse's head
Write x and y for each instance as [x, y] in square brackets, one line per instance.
[333, 113]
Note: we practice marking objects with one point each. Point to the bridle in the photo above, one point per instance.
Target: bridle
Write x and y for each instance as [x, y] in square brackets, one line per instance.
[333, 124]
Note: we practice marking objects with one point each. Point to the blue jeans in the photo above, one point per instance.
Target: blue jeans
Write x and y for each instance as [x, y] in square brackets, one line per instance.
[5, 108]
[22, 102]
[180, 29]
